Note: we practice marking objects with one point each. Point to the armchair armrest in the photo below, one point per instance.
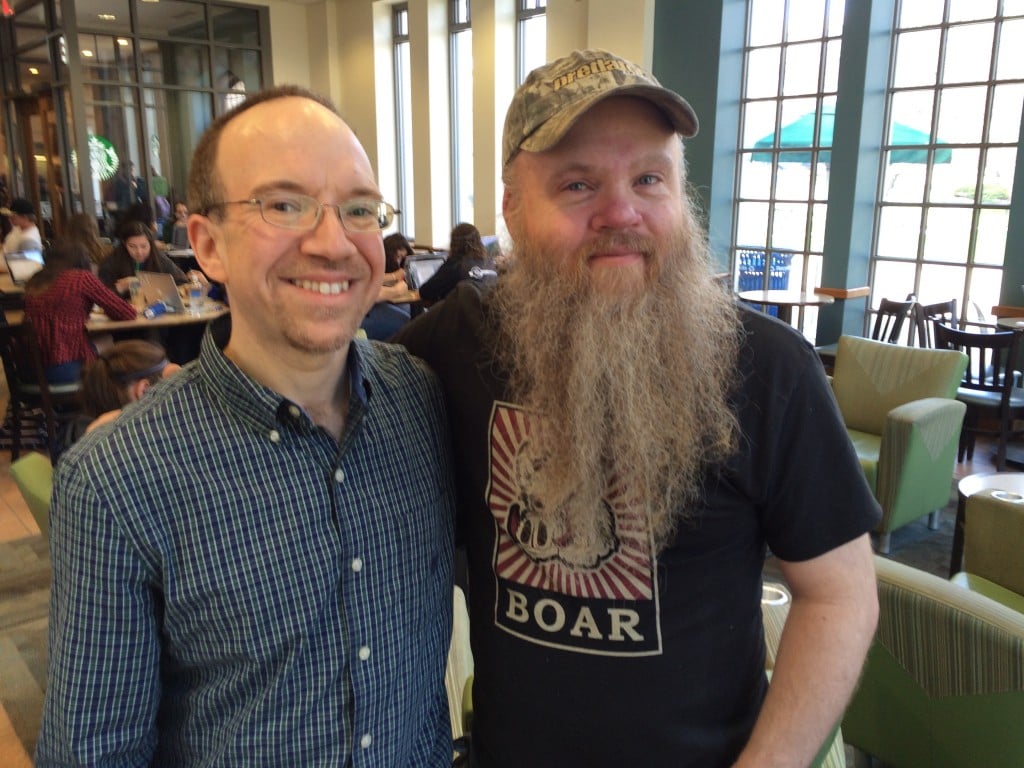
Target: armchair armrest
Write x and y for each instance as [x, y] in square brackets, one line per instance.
[915, 458]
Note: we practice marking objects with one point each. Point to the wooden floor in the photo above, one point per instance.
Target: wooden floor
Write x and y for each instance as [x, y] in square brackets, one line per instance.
[24, 592]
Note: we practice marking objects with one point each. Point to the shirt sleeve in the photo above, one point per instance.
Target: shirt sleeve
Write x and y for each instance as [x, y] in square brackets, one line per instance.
[115, 307]
[167, 265]
[103, 689]
[441, 283]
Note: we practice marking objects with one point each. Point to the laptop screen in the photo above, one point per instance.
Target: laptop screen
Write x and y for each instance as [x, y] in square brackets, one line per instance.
[23, 264]
[419, 269]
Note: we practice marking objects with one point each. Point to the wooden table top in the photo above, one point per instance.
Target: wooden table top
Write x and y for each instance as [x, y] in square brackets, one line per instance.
[100, 324]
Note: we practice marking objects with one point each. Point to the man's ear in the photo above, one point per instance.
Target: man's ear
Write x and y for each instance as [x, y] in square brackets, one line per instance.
[208, 246]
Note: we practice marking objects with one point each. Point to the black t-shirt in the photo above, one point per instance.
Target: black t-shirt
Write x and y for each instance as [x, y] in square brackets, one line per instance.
[643, 659]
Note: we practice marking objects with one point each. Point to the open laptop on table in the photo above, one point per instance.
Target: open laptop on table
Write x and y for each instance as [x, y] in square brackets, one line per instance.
[420, 268]
[23, 264]
[158, 286]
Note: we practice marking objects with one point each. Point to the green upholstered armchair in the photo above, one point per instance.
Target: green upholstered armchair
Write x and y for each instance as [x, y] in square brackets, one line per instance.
[993, 533]
[943, 685]
[900, 411]
[33, 474]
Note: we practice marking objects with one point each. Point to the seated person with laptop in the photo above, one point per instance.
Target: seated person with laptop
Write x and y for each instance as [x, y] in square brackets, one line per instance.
[58, 299]
[21, 265]
[136, 253]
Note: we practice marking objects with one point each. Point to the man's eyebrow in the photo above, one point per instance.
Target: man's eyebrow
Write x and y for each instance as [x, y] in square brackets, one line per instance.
[287, 185]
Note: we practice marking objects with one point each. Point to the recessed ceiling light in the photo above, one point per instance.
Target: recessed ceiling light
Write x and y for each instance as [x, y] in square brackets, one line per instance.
[87, 53]
[33, 70]
[106, 17]
[122, 41]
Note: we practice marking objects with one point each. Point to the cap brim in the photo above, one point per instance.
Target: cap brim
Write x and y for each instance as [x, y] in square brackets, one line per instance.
[5, 211]
[679, 113]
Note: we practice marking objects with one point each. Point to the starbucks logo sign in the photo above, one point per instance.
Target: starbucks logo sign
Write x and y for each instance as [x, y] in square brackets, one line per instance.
[102, 158]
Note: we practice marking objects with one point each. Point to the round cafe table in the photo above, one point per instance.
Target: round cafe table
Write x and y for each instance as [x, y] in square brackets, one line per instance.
[785, 300]
[1011, 482]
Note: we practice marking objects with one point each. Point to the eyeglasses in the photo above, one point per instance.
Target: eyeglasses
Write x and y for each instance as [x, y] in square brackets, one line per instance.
[293, 211]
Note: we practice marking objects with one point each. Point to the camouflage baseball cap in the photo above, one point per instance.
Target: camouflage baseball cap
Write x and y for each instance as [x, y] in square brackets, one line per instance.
[555, 95]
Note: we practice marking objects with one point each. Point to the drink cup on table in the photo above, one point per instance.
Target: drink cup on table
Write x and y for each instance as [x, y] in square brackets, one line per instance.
[135, 293]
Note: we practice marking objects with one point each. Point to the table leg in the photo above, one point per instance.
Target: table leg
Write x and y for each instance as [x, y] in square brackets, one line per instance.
[957, 555]
[785, 313]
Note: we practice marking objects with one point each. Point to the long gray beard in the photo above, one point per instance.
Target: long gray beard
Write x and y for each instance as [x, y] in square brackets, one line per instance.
[630, 385]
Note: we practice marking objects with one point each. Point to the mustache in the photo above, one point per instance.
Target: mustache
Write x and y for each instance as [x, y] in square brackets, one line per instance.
[623, 240]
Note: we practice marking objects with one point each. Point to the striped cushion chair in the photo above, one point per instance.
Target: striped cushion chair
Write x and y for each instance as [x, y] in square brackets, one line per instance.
[943, 685]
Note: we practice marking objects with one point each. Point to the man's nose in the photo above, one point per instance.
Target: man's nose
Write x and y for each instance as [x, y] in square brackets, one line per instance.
[617, 209]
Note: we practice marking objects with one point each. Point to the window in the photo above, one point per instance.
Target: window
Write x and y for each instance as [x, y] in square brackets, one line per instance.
[531, 37]
[461, 87]
[953, 115]
[790, 80]
[403, 116]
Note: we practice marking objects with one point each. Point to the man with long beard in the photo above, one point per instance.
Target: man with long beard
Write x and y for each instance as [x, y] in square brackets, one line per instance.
[629, 443]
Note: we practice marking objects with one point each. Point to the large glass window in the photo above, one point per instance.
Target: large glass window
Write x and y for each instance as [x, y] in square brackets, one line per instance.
[461, 87]
[791, 73]
[403, 116]
[956, 85]
[531, 37]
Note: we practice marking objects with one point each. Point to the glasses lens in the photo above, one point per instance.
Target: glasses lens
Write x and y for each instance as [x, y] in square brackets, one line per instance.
[290, 211]
[366, 215]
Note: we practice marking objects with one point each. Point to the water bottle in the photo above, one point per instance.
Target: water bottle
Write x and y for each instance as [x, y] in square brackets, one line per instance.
[196, 298]
[155, 309]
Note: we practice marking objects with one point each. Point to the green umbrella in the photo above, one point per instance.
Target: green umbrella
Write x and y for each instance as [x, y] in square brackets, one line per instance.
[800, 135]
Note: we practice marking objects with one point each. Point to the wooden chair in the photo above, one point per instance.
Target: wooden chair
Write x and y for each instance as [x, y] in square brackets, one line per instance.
[988, 385]
[29, 390]
[926, 314]
[889, 319]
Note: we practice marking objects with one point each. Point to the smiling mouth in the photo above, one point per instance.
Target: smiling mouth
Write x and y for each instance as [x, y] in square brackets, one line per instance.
[324, 289]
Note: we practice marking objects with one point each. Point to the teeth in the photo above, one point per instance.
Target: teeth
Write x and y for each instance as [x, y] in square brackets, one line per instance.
[325, 289]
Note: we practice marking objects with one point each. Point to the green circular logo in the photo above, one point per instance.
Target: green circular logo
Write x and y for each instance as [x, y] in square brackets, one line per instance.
[102, 157]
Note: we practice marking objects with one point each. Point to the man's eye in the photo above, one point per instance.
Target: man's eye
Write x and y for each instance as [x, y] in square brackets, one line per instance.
[361, 211]
[575, 186]
[284, 204]
[647, 179]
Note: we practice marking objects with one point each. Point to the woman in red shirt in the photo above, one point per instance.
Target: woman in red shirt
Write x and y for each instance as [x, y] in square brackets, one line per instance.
[58, 299]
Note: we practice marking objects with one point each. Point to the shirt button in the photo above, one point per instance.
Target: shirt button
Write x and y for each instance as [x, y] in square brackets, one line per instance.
[357, 564]
[364, 653]
[275, 436]
[366, 741]
[294, 411]
[339, 475]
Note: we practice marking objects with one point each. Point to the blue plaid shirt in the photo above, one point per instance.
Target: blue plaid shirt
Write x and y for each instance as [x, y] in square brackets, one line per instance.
[232, 586]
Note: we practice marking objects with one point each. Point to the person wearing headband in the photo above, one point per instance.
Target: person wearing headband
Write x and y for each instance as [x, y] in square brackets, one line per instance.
[630, 445]
[120, 376]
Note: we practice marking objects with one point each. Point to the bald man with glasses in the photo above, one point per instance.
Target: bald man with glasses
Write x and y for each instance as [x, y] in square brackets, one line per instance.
[237, 576]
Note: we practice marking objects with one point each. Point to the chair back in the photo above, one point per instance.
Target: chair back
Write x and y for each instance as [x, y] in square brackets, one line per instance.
[872, 378]
[993, 532]
[925, 314]
[943, 685]
[992, 359]
[28, 386]
[889, 319]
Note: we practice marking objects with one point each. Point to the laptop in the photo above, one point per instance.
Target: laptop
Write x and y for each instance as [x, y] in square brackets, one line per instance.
[419, 269]
[158, 286]
[23, 264]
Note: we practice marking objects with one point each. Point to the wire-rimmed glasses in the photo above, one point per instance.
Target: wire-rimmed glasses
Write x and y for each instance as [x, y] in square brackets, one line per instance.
[290, 210]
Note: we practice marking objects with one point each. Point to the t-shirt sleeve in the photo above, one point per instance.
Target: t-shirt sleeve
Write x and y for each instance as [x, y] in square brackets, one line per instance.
[803, 472]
